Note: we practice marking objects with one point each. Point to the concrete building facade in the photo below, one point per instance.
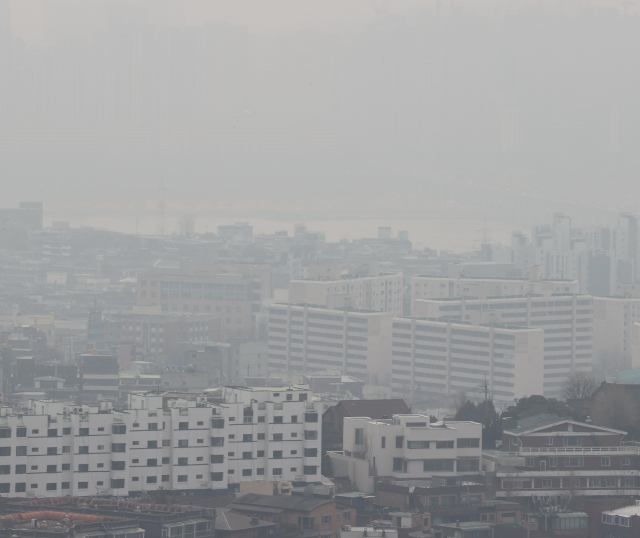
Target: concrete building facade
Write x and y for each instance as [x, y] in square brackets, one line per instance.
[406, 447]
[439, 357]
[307, 339]
[567, 322]
[381, 293]
[179, 444]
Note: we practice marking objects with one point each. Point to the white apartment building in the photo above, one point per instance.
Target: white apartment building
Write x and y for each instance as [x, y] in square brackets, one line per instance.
[443, 357]
[307, 339]
[381, 293]
[567, 322]
[613, 318]
[175, 443]
[426, 287]
[406, 447]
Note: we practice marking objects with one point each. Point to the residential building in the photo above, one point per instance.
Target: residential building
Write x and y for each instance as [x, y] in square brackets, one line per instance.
[620, 522]
[334, 385]
[406, 447]
[545, 455]
[230, 524]
[99, 377]
[613, 319]
[235, 293]
[443, 358]
[306, 339]
[312, 516]
[173, 442]
[456, 285]
[374, 409]
[382, 293]
[567, 322]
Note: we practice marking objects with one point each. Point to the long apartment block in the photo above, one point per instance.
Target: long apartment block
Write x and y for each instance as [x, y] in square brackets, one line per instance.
[432, 357]
[160, 441]
[306, 339]
[567, 322]
[383, 293]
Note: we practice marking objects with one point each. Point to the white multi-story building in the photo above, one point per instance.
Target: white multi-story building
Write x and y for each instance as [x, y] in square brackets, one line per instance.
[303, 338]
[567, 322]
[443, 357]
[406, 447]
[175, 443]
[383, 293]
[613, 319]
[426, 287]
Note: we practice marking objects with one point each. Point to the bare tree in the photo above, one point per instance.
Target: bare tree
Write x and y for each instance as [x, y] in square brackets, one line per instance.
[187, 226]
[579, 385]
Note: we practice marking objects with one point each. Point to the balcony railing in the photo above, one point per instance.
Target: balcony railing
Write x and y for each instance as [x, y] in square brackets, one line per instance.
[577, 449]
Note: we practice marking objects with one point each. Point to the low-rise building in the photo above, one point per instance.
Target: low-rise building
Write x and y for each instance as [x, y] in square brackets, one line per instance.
[311, 516]
[406, 447]
[548, 456]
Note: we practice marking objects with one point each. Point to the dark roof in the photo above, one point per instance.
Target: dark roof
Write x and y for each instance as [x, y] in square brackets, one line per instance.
[227, 520]
[538, 422]
[372, 408]
[278, 502]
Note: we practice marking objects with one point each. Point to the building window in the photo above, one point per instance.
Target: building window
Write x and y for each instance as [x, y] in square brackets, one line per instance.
[21, 432]
[117, 465]
[399, 441]
[277, 454]
[277, 437]
[165, 478]
[83, 450]
[311, 435]
[553, 462]
[183, 426]
[52, 451]
[117, 483]
[326, 520]
[50, 469]
[217, 458]
[277, 420]
[20, 487]
[437, 465]
[574, 462]
[468, 443]
[152, 479]
[152, 462]
[529, 462]
[549, 441]
[183, 443]
[52, 486]
[118, 447]
[83, 485]
[383, 442]
[247, 455]
[246, 472]
[260, 471]
[606, 461]
[83, 468]
[626, 460]
[444, 444]
[183, 461]
[182, 478]
[277, 471]
[152, 444]
[546, 483]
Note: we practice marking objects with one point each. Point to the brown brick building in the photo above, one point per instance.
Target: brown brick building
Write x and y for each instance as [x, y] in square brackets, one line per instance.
[546, 455]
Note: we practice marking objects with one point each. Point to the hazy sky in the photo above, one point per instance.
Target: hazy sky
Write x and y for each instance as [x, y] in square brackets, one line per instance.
[336, 110]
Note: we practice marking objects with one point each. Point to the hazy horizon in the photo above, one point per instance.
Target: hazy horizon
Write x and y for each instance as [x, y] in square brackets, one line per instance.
[337, 112]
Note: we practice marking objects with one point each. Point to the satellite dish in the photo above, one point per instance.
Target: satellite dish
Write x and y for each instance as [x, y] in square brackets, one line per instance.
[308, 491]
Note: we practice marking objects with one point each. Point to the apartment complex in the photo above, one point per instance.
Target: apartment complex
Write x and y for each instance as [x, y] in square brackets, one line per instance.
[406, 447]
[567, 322]
[304, 338]
[234, 292]
[456, 285]
[545, 455]
[443, 357]
[160, 440]
[383, 293]
[613, 319]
